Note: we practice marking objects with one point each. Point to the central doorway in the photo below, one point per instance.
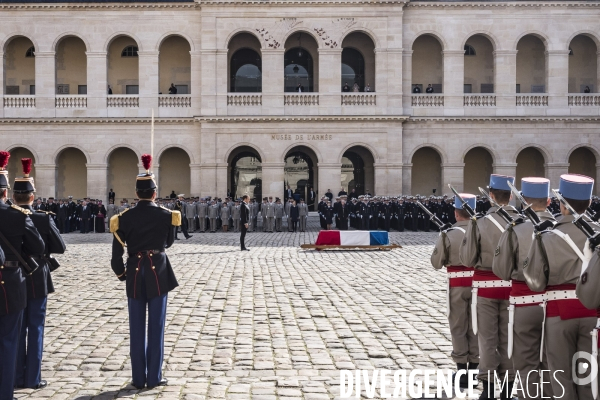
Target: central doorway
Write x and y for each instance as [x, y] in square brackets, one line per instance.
[245, 173]
[300, 173]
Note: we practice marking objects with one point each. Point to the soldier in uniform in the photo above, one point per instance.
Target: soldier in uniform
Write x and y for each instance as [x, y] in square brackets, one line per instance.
[201, 209]
[263, 213]
[147, 230]
[527, 315]
[235, 216]
[279, 212]
[490, 293]
[271, 215]
[554, 264]
[224, 212]
[213, 212]
[465, 349]
[39, 285]
[181, 207]
[18, 239]
[302, 214]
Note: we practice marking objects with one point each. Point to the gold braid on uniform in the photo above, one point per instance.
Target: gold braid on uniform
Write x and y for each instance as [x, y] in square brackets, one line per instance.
[114, 226]
[175, 216]
[23, 210]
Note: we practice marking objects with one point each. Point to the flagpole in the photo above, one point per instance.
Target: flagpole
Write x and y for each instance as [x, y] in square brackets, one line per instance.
[152, 135]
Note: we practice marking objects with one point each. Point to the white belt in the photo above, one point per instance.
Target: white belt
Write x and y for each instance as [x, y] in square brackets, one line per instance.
[561, 295]
[461, 274]
[529, 299]
[491, 284]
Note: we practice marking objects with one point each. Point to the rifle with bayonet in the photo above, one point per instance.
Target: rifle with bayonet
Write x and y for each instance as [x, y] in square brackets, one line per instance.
[433, 218]
[529, 213]
[594, 216]
[592, 235]
[465, 205]
[500, 211]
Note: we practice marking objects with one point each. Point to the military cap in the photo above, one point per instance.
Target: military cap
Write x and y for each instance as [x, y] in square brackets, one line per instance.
[535, 188]
[146, 181]
[4, 156]
[24, 184]
[576, 187]
[500, 181]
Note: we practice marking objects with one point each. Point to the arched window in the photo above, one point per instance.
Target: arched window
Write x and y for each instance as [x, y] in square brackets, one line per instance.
[30, 52]
[353, 68]
[130, 51]
[469, 50]
[298, 70]
[246, 71]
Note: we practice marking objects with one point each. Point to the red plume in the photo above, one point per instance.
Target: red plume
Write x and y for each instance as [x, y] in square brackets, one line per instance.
[4, 156]
[26, 165]
[147, 161]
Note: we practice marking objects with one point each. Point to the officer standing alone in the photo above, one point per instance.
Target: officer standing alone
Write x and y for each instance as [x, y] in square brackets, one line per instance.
[39, 285]
[18, 238]
[244, 220]
[147, 230]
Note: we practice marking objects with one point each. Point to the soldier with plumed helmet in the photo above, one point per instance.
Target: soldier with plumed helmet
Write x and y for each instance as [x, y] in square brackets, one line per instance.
[143, 233]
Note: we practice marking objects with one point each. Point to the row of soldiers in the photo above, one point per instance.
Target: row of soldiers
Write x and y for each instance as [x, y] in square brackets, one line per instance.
[28, 238]
[202, 214]
[520, 300]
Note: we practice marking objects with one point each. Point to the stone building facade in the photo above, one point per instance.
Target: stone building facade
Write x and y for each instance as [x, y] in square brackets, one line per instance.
[509, 79]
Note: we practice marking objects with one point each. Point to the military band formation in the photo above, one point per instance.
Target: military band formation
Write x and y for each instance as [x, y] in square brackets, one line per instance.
[522, 283]
[523, 294]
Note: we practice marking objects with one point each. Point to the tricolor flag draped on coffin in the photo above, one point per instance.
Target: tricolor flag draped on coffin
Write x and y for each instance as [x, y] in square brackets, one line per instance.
[353, 238]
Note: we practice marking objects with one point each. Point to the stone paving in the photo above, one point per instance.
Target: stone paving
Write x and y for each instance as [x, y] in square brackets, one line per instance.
[277, 322]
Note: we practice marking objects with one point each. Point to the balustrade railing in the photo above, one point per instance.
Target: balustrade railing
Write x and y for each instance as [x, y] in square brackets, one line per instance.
[359, 99]
[584, 100]
[479, 100]
[19, 101]
[246, 99]
[71, 101]
[174, 100]
[427, 100]
[301, 99]
[123, 100]
[532, 100]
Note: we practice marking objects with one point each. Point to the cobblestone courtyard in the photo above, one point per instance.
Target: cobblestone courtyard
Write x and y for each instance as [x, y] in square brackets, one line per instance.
[277, 322]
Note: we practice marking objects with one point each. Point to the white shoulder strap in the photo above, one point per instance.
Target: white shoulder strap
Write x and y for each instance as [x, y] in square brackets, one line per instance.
[457, 228]
[493, 220]
[571, 243]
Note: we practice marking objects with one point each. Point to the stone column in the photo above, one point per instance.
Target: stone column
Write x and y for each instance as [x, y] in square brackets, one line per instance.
[553, 172]
[195, 179]
[557, 80]
[222, 86]
[596, 186]
[509, 169]
[2, 84]
[453, 173]
[330, 177]
[389, 68]
[97, 175]
[370, 171]
[394, 178]
[505, 80]
[45, 180]
[272, 81]
[97, 83]
[406, 179]
[208, 85]
[148, 82]
[196, 81]
[407, 81]
[330, 78]
[208, 174]
[221, 177]
[454, 78]
[597, 88]
[272, 179]
[45, 83]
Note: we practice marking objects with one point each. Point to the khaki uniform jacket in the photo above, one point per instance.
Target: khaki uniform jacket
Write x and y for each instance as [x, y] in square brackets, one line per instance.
[225, 215]
[551, 261]
[513, 247]
[302, 210]
[279, 211]
[270, 210]
[235, 212]
[481, 239]
[587, 287]
[446, 250]
[213, 211]
[201, 209]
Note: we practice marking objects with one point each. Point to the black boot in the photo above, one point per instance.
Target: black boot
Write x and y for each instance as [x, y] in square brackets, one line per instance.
[474, 367]
[506, 393]
[463, 378]
[487, 392]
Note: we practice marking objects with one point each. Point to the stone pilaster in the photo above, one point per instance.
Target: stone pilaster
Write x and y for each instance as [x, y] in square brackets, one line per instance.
[45, 180]
[557, 81]
[330, 78]
[221, 174]
[505, 79]
[330, 177]
[97, 83]
[148, 81]
[3, 85]
[273, 80]
[407, 179]
[45, 83]
[208, 177]
[453, 173]
[509, 169]
[97, 186]
[196, 81]
[454, 78]
[196, 179]
[272, 179]
[209, 85]
[553, 172]
[407, 83]
[221, 81]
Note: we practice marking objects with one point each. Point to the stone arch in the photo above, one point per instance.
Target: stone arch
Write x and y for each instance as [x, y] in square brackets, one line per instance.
[75, 146]
[36, 158]
[358, 169]
[14, 166]
[532, 66]
[583, 64]
[478, 166]
[175, 64]
[175, 33]
[437, 35]
[233, 148]
[360, 144]
[358, 61]
[364, 30]
[479, 67]
[122, 167]
[544, 151]
[588, 146]
[244, 63]
[70, 64]
[434, 146]
[244, 170]
[487, 34]
[427, 63]
[71, 172]
[179, 146]
[301, 30]
[305, 144]
[238, 31]
[426, 171]
[483, 145]
[7, 39]
[540, 35]
[65, 35]
[174, 171]
[300, 170]
[592, 35]
[120, 145]
[531, 161]
[583, 160]
[116, 35]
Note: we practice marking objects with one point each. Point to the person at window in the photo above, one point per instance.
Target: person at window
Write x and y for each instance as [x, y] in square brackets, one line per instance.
[429, 89]
[356, 88]
[368, 88]
[172, 89]
[586, 90]
[346, 88]
[300, 88]
[109, 90]
[417, 89]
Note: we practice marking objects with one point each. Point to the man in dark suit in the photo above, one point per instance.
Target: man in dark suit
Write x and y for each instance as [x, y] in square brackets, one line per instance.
[85, 216]
[311, 199]
[147, 230]
[39, 285]
[245, 218]
[23, 238]
[111, 195]
[289, 194]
